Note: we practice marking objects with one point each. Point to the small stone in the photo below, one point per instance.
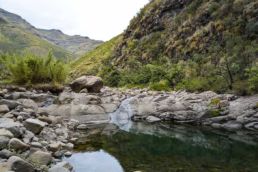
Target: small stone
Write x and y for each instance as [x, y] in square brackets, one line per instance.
[6, 133]
[58, 154]
[17, 145]
[68, 154]
[36, 145]
[82, 127]
[4, 109]
[69, 146]
[55, 146]
[20, 118]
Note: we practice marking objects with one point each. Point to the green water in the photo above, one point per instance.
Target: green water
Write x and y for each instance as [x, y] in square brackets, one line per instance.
[165, 148]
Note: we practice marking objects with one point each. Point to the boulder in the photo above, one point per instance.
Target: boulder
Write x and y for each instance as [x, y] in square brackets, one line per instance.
[17, 164]
[13, 127]
[28, 103]
[4, 109]
[34, 125]
[6, 154]
[40, 158]
[18, 145]
[10, 103]
[92, 83]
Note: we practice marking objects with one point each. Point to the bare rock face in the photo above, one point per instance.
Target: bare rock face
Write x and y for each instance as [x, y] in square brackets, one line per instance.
[92, 83]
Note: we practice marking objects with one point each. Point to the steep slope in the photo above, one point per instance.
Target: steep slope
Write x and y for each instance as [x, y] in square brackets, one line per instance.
[18, 36]
[194, 45]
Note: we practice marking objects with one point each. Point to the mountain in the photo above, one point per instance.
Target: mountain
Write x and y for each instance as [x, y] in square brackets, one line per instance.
[195, 45]
[19, 36]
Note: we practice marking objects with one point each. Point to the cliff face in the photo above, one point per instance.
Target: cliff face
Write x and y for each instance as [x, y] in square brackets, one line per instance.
[193, 45]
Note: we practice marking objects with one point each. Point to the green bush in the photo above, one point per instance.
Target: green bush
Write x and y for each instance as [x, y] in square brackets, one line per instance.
[162, 85]
[31, 69]
[253, 79]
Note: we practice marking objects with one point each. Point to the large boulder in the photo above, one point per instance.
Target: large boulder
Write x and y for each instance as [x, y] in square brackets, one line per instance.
[17, 164]
[92, 83]
[34, 125]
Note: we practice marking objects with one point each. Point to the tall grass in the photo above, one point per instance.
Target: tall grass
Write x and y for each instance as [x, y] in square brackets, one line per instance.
[31, 69]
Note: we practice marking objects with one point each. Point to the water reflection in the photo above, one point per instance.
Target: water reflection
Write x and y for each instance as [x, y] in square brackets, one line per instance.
[99, 161]
[166, 148]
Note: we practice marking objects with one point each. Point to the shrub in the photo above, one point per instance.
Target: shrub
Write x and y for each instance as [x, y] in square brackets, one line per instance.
[31, 69]
[253, 79]
[215, 102]
[162, 85]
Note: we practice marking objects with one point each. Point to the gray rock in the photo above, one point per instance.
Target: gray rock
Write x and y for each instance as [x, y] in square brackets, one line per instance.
[13, 127]
[6, 154]
[10, 103]
[6, 133]
[36, 145]
[4, 109]
[34, 125]
[232, 126]
[18, 145]
[28, 103]
[40, 158]
[152, 119]
[55, 146]
[92, 83]
[17, 164]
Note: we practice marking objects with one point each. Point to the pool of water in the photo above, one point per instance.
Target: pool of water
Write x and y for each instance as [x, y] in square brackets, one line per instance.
[165, 148]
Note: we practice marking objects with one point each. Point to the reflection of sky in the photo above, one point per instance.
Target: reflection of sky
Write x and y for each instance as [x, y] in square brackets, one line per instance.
[94, 162]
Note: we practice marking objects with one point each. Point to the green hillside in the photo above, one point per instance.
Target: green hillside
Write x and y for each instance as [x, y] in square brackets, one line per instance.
[194, 45]
[18, 36]
[16, 40]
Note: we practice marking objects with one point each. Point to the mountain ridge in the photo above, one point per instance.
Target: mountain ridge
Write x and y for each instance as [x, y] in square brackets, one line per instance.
[66, 45]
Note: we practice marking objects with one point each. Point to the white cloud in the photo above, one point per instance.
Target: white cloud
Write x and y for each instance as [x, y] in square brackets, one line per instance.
[98, 19]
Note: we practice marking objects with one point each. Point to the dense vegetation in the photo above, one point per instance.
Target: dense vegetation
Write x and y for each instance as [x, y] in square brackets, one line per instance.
[194, 45]
[31, 69]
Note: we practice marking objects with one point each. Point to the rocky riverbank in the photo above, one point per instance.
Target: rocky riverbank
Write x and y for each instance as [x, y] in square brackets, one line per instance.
[38, 128]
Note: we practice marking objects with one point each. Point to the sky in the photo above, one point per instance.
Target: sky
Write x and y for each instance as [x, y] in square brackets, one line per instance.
[98, 19]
